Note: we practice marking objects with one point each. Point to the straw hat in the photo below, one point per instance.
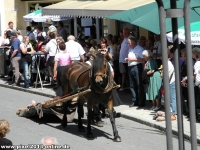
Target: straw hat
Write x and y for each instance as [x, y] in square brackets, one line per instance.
[48, 21]
[92, 52]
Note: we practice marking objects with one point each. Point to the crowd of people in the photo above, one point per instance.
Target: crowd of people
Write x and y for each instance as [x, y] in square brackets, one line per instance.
[135, 62]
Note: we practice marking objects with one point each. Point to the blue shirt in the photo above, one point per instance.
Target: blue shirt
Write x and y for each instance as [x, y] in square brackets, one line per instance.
[16, 45]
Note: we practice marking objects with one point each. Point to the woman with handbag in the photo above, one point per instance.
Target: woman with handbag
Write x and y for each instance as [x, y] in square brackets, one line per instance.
[26, 59]
[155, 81]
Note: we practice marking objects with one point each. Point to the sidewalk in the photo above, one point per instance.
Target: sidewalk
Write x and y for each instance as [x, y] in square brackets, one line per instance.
[143, 115]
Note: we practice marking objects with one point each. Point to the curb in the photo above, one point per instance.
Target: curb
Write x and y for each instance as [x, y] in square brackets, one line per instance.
[159, 127]
[26, 90]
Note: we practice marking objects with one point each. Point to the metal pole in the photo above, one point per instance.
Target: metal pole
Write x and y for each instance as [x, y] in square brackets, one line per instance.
[162, 16]
[97, 30]
[177, 78]
[75, 27]
[190, 80]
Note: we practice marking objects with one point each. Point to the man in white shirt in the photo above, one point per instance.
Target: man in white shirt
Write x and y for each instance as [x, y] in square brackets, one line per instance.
[123, 66]
[75, 49]
[135, 67]
[51, 48]
[50, 25]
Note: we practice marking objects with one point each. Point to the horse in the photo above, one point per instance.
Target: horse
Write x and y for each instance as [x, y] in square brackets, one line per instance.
[80, 76]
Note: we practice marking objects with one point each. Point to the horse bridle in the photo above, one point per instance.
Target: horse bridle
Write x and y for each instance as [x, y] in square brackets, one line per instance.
[109, 85]
[103, 75]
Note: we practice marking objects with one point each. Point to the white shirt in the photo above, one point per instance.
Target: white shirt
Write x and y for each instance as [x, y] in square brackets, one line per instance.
[6, 41]
[40, 33]
[20, 37]
[124, 51]
[75, 49]
[26, 46]
[170, 71]
[52, 27]
[52, 47]
[197, 72]
[135, 53]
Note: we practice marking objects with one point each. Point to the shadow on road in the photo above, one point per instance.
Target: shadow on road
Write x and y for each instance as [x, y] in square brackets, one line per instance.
[72, 127]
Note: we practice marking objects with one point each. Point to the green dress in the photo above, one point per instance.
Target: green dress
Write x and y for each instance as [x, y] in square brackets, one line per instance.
[155, 82]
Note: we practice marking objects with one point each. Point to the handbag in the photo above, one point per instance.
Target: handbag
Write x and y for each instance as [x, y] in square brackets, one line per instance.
[145, 77]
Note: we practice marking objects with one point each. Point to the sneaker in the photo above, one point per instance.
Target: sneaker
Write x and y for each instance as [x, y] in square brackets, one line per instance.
[121, 89]
[15, 84]
[132, 105]
[152, 108]
[157, 108]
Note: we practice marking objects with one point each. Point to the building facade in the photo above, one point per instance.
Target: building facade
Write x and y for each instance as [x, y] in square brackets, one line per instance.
[14, 10]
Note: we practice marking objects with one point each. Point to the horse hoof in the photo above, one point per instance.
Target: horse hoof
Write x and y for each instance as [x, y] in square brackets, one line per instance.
[90, 135]
[117, 139]
[81, 129]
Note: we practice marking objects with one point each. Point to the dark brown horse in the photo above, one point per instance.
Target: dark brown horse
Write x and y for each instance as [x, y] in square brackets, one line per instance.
[80, 76]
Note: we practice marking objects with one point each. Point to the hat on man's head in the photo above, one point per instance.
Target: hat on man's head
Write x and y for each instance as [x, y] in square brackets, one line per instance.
[13, 33]
[92, 52]
[48, 21]
[142, 38]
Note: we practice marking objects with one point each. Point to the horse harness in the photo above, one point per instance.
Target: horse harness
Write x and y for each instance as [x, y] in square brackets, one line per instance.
[97, 88]
[80, 72]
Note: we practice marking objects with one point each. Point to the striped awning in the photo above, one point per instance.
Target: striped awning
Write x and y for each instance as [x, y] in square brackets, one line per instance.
[95, 8]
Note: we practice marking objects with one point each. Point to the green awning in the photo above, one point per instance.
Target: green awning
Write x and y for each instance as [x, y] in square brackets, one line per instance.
[147, 16]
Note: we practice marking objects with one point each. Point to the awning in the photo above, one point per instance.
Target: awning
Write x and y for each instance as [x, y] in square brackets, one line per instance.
[98, 9]
[36, 16]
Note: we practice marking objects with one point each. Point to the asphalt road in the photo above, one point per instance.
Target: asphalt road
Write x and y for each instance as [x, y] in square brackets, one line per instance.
[27, 131]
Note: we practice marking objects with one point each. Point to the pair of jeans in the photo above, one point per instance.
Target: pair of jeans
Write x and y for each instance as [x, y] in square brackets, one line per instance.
[136, 86]
[26, 73]
[172, 92]
[15, 67]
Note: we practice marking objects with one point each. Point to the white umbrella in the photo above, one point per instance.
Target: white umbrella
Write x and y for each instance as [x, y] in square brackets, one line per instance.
[195, 34]
[36, 16]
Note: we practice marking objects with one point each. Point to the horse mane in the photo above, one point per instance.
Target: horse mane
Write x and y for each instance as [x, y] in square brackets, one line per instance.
[98, 62]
